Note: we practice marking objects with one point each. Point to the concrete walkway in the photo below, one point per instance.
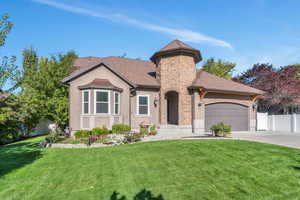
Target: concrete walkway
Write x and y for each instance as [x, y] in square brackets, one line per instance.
[279, 138]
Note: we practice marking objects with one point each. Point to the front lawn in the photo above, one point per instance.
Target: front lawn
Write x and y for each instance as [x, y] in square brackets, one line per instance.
[183, 169]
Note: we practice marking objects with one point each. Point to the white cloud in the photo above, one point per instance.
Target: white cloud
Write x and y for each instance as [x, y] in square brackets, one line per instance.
[182, 34]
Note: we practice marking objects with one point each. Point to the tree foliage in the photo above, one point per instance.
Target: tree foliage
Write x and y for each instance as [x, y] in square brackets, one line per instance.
[44, 95]
[281, 85]
[219, 68]
[9, 124]
[5, 27]
[8, 69]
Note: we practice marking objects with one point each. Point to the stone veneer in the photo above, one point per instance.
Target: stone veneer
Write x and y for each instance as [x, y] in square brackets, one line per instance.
[176, 73]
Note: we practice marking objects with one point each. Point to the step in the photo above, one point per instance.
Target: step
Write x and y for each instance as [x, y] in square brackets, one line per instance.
[169, 129]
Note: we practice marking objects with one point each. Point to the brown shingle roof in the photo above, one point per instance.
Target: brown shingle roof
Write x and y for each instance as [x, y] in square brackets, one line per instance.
[135, 72]
[211, 82]
[100, 84]
[140, 73]
[177, 47]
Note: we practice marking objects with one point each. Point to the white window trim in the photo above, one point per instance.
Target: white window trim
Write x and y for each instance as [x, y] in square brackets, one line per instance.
[119, 103]
[95, 102]
[138, 107]
[82, 102]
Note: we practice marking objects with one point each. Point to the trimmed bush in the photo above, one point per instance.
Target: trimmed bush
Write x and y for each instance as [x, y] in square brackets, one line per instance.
[153, 130]
[221, 129]
[121, 128]
[227, 129]
[52, 137]
[99, 131]
[82, 134]
[144, 131]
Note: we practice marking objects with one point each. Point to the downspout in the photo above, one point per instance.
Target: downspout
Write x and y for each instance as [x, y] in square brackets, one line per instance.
[129, 118]
[131, 91]
[193, 112]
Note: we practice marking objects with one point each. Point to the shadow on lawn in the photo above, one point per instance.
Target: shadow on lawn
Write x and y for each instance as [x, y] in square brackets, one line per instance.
[142, 195]
[15, 156]
[297, 167]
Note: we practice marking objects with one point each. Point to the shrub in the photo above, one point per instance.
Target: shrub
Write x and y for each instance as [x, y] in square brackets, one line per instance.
[221, 129]
[52, 137]
[93, 139]
[121, 128]
[132, 137]
[99, 131]
[227, 128]
[144, 131]
[103, 139]
[153, 130]
[88, 141]
[82, 134]
[215, 129]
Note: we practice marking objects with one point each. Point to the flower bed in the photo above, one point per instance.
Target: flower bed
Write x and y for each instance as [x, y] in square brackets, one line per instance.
[120, 134]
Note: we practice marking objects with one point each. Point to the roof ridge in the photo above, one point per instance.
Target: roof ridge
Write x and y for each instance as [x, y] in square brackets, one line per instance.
[118, 57]
[134, 59]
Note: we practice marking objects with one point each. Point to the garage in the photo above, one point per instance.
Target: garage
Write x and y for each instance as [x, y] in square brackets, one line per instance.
[233, 114]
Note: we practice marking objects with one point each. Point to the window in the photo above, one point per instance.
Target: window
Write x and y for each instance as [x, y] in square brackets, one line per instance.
[117, 103]
[85, 102]
[102, 102]
[143, 105]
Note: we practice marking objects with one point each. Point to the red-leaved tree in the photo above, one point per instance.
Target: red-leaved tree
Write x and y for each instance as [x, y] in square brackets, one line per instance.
[281, 85]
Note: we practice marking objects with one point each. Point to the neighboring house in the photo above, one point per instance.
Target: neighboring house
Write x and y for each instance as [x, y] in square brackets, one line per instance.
[168, 90]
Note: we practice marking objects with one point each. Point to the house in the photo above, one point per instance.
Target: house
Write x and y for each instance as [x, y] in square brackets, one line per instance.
[168, 90]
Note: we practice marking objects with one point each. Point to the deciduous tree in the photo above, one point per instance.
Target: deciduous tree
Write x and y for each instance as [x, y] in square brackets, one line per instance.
[43, 94]
[8, 68]
[219, 68]
[281, 85]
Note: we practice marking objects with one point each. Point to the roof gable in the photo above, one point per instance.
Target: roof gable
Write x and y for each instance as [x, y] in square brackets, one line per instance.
[135, 72]
[100, 84]
[85, 70]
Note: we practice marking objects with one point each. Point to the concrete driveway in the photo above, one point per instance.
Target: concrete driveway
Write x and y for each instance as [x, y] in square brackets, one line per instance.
[279, 138]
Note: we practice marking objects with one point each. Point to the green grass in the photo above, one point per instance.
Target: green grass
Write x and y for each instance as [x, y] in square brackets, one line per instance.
[183, 169]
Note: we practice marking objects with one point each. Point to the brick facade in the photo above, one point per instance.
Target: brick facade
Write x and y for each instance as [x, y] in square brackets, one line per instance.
[176, 73]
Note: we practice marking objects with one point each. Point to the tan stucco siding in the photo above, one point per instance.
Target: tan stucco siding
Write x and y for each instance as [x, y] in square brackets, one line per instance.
[92, 120]
[153, 117]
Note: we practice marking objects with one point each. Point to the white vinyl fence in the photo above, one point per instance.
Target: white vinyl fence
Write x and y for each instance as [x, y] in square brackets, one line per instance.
[42, 128]
[284, 123]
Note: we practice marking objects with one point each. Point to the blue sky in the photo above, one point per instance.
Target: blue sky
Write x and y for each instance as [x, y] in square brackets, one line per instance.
[243, 32]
